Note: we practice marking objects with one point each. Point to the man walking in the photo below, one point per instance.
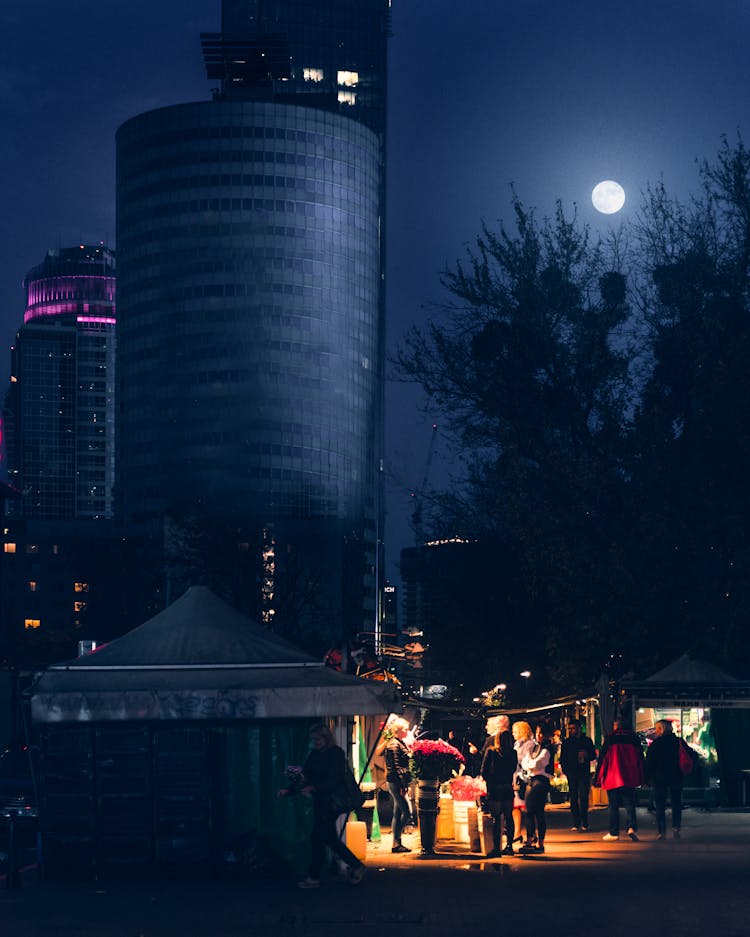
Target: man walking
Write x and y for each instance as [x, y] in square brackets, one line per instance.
[664, 774]
[576, 754]
[620, 771]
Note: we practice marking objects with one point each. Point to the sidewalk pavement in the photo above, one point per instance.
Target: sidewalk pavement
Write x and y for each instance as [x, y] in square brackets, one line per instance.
[698, 886]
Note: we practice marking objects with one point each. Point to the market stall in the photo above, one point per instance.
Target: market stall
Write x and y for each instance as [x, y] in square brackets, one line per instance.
[710, 709]
[166, 746]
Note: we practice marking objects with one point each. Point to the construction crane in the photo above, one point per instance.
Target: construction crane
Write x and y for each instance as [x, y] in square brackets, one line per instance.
[418, 495]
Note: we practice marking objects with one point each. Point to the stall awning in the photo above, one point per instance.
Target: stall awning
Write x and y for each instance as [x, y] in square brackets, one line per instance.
[690, 682]
[201, 659]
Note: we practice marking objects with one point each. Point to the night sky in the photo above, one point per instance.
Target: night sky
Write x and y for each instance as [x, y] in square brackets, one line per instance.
[549, 96]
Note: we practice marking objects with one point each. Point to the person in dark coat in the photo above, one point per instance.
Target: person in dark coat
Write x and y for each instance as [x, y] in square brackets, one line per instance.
[665, 777]
[498, 767]
[576, 754]
[619, 771]
[398, 777]
[323, 773]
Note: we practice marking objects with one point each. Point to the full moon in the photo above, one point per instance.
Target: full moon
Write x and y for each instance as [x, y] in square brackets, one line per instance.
[608, 197]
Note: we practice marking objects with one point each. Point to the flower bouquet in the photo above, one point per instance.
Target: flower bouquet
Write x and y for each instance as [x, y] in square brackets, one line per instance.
[464, 787]
[434, 760]
[295, 780]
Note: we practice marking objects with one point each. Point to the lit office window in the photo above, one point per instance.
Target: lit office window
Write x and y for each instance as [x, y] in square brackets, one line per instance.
[347, 97]
[80, 587]
[79, 606]
[312, 74]
[31, 623]
[33, 585]
[348, 79]
[9, 548]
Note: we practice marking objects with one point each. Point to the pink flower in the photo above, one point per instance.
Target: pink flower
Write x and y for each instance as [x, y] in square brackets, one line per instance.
[434, 759]
[464, 787]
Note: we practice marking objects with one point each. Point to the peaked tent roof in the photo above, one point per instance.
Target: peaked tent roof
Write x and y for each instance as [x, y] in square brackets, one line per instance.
[688, 682]
[690, 670]
[201, 659]
[198, 629]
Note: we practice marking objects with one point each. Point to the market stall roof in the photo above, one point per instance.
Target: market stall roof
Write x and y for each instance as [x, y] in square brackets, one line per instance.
[688, 682]
[202, 659]
[688, 669]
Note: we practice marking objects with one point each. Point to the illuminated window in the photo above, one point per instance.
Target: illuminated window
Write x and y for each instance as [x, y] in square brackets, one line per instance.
[55, 549]
[80, 587]
[348, 79]
[32, 585]
[32, 548]
[312, 74]
[347, 97]
[32, 623]
[79, 606]
[9, 548]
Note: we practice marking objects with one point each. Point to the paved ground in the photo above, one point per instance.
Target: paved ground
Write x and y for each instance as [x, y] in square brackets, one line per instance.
[581, 886]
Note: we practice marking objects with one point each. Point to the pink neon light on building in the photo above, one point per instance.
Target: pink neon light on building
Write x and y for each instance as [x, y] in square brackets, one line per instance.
[106, 319]
[69, 295]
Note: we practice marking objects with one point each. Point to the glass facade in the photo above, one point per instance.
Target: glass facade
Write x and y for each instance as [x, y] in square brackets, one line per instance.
[61, 399]
[330, 54]
[250, 328]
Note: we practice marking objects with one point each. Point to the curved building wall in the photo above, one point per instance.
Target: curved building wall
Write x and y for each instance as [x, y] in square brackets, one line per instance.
[248, 312]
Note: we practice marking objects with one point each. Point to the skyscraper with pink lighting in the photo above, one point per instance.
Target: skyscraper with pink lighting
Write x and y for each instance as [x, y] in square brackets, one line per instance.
[59, 413]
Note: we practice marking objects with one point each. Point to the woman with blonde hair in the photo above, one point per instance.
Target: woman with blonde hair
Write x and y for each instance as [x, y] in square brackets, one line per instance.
[398, 777]
[523, 744]
[498, 767]
[323, 773]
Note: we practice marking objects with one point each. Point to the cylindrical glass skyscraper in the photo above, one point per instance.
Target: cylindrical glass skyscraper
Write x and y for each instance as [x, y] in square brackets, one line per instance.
[250, 315]
[249, 281]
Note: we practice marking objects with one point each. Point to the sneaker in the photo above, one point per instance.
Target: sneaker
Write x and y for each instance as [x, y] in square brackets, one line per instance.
[309, 883]
[356, 875]
[508, 851]
[633, 835]
[676, 833]
[399, 847]
[584, 828]
[662, 836]
[610, 837]
[539, 848]
[575, 829]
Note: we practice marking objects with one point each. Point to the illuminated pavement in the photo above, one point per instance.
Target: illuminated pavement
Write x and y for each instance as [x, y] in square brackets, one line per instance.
[699, 885]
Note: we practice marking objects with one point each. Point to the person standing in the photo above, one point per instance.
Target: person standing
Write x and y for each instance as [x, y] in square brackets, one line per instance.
[619, 771]
[576, 754]
[523, 743]
[398, 777]
[537, 767]
[498, 767]
[324, 774]
[665, 777]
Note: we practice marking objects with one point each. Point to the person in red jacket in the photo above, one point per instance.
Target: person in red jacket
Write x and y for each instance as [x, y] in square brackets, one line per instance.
[620, 771]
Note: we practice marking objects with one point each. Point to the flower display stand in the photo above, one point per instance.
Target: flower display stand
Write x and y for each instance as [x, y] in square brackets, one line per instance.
[486, 826]
[461, 820]
[598, 797]
[475, 841]
[446, 828]
[428, 807]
